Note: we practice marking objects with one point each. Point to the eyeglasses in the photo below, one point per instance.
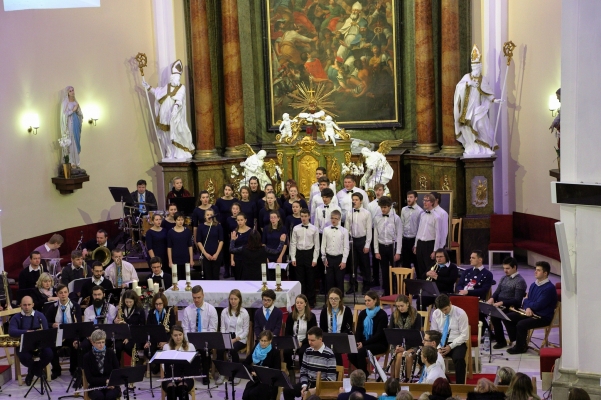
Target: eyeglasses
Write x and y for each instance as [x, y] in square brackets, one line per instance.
[334, 298]
[158, 304]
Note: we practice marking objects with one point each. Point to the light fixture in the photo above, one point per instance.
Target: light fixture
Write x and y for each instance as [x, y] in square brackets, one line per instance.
[93, 115]
[34, 124]
[554, 105]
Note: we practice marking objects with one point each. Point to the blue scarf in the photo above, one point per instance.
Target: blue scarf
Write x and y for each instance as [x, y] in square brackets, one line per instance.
[260, 353]
[368, 322]
[157, 315]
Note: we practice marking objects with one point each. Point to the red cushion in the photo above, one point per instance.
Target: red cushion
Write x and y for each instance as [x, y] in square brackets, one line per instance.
[500, 246]
[469, 304]
[475, 343]
[501, 228]
[548, 355]
[391, 298]
[540, 247]
[558, 294]
[454, 244]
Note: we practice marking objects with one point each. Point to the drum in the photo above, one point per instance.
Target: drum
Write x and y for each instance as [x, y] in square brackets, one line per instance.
[147, 222]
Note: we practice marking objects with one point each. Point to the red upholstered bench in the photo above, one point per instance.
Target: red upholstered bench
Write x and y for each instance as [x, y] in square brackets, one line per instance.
[548, 355]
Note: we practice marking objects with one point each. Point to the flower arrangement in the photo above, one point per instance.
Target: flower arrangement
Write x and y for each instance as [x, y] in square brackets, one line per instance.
[146, 297]
[65, 142]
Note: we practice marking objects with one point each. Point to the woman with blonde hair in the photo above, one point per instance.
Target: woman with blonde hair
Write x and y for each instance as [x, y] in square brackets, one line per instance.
[485, 390]
[404, 316]
[521, 388]
[235, 321]
[43, 292]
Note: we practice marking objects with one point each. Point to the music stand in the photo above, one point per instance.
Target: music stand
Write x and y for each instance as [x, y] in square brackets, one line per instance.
[115, 331]
[184, 204]
[121, 195]
[125, 376]
[172, 358]
[377, 367]
[418, 287]
[76, 331]
[411, 337]
[76, 285]
[210, 340]
[115, 295]
[272, 377]
[232, 370]
[142, 334]
[491, 311]
[35, 340]
[285, 343]
[340, 343]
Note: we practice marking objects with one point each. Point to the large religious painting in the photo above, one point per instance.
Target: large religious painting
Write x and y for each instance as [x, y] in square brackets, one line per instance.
[344, 53]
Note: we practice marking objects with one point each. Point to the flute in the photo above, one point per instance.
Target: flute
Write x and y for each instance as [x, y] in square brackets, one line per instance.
[90, 389]
[523, 312]
[180, 379]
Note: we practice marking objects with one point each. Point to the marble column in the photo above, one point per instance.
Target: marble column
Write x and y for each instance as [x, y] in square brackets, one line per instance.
[424, 78]
[232, 78]
[203, 89]
[450, 73]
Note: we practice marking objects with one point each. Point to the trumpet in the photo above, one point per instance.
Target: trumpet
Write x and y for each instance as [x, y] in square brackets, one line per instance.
[521, 311]
[434, 268]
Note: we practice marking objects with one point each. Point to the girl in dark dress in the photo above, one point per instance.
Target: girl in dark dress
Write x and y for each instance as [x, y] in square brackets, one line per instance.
[156, 240]
[178, 389]
[299, 321]
[198, 215]
[271, 204]
[210, 244]
[44, 292]
[224, 205]
[97, 365]
[253, 255]
[272, 235]
[263, 355]
[404, 316]
[285, 195]
[133, 314]
[370, 331]
[255, 189]
[177, 190]
[179, 246]
[335, 317]
[287, 205]
[248, 207]
[261, 202]
[169, 221]
[242, 233]
[229, 226]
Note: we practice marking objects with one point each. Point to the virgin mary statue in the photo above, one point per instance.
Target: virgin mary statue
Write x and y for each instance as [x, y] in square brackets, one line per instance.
[71, 122]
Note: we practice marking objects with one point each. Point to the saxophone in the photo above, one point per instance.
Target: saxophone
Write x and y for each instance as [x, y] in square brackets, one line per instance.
[166, 320]
[434, 268]
[134, 355]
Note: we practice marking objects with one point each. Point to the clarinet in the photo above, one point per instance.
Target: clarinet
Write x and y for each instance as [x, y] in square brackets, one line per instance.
[403, 367]
[417, 355]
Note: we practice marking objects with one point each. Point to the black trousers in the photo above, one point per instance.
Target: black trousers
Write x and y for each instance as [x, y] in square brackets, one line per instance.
[359, 359]
[517, 328]
[211, 268]
[458, 356]
[37, 367]
[375, 265]
[73, 363]
[178, 390]
[233, 353]
[359, 260]
[259, 391]
[291, 394]
[305, 273]
[424, 261]
[407, 256]
[386, 260]
[105, 394]
[334, 275]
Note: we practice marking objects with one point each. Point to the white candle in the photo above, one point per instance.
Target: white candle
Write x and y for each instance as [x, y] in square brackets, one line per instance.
[134, 284]
[138, 290]
[150, 282]
[283, 186]
[188, 279]
[264, 272]
[155, 288]
[278, 273]
[174, 272]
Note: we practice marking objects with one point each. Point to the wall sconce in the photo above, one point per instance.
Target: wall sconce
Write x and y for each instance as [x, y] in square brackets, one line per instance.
[554, 105]
[34, 124]
[93, 115]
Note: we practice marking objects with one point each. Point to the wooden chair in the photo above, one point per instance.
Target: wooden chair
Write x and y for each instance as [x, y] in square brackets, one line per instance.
[456, 224]
[192, 392]
[358, 308]
[555, 323]
[426, 315]
[401, 275]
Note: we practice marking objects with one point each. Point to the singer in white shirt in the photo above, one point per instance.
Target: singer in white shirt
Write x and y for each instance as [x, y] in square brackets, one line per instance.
[323, 211]
[359, 224]
[428, 238]
[387, 237]
[410, 217]
[316, 200]
[334, 252]
[304, 252]
[344, 196]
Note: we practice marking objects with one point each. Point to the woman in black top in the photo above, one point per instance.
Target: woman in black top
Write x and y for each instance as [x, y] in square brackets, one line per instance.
[253, 255]
[198, 215]
[255, 189]
[248, 207]
[210, 244]
[97, 365]
[156, 316]
[156, 240]
[224, 204]
[179, 246]
[261, 202]
[272, 235]
[369, 333]
[343, 321]
[299, 321]
[169, 221]
[294, 197]
[271, 204]
[242, 234]
[43, 292]
[263, 355]
[133, 314]
[404, 316]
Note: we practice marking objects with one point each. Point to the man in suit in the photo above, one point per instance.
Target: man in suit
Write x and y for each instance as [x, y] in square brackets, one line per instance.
[158, 275]
[102, 240]
[144, 196]
[477, 280]
[29, 276]
[268, 317]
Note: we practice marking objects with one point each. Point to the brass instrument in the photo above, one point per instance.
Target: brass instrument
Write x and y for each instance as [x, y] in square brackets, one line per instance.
[521, 311]
[6, 291]
[166, 320]
[103, 255]
[134, 355]
[434, 268]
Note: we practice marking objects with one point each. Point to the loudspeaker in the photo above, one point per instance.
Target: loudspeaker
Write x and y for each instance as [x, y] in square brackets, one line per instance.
[568, 274]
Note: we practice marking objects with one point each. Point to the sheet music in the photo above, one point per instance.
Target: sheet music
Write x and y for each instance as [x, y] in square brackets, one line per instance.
[353, 344]
[174, 355]
[273, 265]
[377, 366]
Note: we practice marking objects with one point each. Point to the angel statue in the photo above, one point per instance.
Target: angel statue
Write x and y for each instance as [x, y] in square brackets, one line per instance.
[331, 131]
[71, 119]
[377, 169]
[286, 127]
[253, 165]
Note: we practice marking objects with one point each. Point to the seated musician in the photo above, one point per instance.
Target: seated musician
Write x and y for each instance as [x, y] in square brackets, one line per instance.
[235, 321]
[64, 311]
[44, 292]
[131, 313]
[200, 317]
[99, 312]
[178, 388]
[357, 379]
[263, 355]
[75, 270]
[369, 333]
[29, 276]
[160, 314]
[28, 320]
[48, 249]
[431, 338]
[120, 272]
[432, 369]
[509, 293]
[97, 365]
[445, 276]
[268, 317]
[475, 281]
[158, 275]
[298, 323]
[404, 316]
[541, 301]
[335, 317]
[102, 240]
[97, 280]
[452, 323]
[318, 358]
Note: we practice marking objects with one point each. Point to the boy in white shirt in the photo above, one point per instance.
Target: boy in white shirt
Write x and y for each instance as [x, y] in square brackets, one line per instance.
[316, 199]
[323, 212]
[334, 251]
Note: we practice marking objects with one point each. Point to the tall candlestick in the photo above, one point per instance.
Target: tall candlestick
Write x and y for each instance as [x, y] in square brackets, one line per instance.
[264, 272]
[188, 279]
[138, 290]
[150, 282]
[134, 284]
[174, 275]
[278, 274]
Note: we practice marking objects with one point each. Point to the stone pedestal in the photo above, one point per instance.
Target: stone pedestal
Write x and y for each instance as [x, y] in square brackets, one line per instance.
[184, 170]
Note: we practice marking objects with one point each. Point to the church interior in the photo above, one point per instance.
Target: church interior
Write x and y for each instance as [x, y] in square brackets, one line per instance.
[256, 74]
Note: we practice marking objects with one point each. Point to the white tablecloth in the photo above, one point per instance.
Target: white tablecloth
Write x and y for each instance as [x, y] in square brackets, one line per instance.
[217, 293]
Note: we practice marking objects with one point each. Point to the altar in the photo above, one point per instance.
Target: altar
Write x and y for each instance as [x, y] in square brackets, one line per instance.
[217, 293]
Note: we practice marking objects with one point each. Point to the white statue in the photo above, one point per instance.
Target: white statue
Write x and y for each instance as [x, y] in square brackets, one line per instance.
[311, 117]
[253, 166]
[473, 98]
[285, 126]
[170, 109]
[350, 168]
[329, 133]
[377, 168]
[71, 119]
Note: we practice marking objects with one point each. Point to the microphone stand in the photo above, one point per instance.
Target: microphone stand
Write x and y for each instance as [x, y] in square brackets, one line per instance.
[202, 263]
